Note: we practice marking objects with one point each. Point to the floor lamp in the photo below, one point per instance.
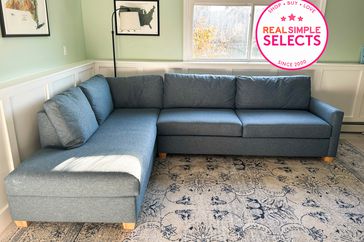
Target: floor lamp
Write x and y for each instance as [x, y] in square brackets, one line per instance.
[129, 21]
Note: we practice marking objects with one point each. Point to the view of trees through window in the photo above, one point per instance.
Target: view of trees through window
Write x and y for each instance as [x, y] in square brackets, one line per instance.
[223, 32]
[255, 53]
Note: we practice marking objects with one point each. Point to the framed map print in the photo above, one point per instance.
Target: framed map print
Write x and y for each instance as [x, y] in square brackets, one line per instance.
[137, 17]
[21, 18]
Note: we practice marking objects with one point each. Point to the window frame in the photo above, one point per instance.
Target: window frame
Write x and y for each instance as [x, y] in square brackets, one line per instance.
[188, 8]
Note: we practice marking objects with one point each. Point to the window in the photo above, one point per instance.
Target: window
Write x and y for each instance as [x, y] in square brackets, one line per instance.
[222, 30]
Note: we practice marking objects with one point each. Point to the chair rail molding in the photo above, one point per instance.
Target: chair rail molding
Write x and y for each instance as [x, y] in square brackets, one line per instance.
[341, 85]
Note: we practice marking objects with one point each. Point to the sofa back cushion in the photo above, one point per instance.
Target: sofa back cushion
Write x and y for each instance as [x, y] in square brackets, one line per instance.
[137, 91]
[98, 93]
[199, 91]
[71, 115]
[274, 92]
[47, 133]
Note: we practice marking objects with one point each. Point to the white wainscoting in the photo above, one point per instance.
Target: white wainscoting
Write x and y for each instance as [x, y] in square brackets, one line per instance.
[19, 104]
[339, 84]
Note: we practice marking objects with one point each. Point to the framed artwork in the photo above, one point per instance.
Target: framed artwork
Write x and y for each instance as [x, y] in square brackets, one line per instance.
[22, 18]
[137, 17]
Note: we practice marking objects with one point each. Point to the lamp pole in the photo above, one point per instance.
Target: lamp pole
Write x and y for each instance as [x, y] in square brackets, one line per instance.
[113, 39]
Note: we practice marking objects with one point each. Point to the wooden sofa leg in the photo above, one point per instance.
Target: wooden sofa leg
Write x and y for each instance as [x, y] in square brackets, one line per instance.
[22, 224]
[162, 155]
[328, 159]
[128, 226]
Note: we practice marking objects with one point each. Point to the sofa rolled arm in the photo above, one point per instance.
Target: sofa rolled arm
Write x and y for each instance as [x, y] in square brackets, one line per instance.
[331, 115]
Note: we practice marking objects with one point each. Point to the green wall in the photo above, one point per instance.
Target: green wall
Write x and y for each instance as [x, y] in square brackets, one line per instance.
[28, 55]
[85, 30]
[97, 25]
[345, 19]
[346, 25]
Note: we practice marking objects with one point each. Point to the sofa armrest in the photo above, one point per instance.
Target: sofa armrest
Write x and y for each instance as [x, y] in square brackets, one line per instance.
[331, 115]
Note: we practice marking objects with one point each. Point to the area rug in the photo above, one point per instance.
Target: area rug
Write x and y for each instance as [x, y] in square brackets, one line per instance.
[352, 158]
[223, 198]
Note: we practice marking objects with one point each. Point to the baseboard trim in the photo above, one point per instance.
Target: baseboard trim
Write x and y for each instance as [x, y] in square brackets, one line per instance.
[5, 218]
[353, 128]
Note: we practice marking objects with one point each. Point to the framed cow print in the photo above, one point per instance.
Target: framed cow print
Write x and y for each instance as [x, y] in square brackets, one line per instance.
[137, 17]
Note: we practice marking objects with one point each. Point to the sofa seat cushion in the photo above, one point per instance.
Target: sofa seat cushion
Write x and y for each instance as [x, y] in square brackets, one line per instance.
[201, 122]
[113, 163]
[282, 124]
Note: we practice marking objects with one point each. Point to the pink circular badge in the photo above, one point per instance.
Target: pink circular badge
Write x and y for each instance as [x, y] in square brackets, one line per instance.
[292, 35]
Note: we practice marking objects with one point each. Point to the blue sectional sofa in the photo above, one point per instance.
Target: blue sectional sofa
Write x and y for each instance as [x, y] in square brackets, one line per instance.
[100, 139]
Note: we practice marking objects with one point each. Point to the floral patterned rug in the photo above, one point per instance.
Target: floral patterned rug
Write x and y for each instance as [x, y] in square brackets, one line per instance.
[352, 158]
[218, 198]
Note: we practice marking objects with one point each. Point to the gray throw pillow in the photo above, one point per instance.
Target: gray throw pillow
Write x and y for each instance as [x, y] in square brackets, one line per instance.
[98, 93]
[47, 133]
[72, 117]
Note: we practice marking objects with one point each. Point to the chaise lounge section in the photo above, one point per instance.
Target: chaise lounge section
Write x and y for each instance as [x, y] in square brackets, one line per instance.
[100, 139]
[103, 180]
